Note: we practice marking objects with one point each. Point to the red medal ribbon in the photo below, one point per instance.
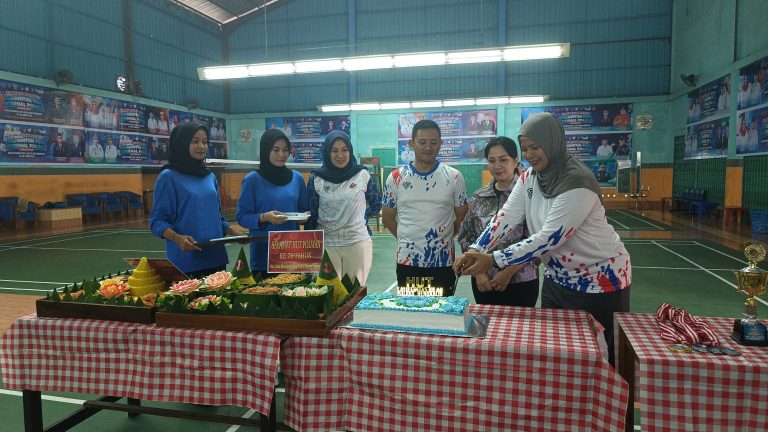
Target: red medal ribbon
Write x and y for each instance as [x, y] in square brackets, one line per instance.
[678, 326]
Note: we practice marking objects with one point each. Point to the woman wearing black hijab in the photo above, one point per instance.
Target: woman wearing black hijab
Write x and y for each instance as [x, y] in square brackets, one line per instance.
[268, 193]
[186, 208]
[342, 196]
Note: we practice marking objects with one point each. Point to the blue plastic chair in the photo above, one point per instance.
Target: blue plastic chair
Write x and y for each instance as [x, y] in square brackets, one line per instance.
[110, 202]
[9, 211]
[131, 200]
[89, 204]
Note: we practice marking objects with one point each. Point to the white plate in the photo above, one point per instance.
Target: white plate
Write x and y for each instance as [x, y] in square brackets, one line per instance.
[297, 216]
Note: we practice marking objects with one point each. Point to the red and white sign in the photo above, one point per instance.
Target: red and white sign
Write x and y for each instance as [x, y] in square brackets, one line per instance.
[295, 251]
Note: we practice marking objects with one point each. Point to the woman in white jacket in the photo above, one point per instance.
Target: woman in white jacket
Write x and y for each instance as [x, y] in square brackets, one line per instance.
[586, 264]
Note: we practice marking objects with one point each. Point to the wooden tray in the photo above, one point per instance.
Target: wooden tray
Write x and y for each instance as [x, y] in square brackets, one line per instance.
[135, 314]
[295, 327]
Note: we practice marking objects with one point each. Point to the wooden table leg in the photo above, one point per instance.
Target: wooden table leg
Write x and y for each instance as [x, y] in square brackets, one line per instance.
[33, 411]
[626, 368]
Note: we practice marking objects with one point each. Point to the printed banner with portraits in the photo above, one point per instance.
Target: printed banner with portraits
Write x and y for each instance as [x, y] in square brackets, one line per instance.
[599, 135]
[45, 125]
[707, 126]
[464, 134]
[752, 113]
[307, 134]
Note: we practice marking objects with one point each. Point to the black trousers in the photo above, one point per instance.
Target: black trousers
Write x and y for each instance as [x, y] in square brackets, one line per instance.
[517, 294]
[443, 277]
[600, 305]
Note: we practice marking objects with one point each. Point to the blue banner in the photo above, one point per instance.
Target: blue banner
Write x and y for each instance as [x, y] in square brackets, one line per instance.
[601, 146]
[308, 133]
[588, 117]
[710, 101]
[708, 139]
[753, 91]
[22, 102]
[25, 143]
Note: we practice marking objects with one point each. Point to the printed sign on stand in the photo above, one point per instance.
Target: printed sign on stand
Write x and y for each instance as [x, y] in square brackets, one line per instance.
[295, 251]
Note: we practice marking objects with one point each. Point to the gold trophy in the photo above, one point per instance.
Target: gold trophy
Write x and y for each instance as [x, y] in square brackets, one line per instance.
[751, 282]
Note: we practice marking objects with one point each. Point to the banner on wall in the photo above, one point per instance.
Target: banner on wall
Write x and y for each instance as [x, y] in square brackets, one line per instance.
[605, 171]
[464, 134]
[22, 102]
[76, 128]
[307, 134]
[752, 84]
[600, 146]
[599, 135]
[752, 132]
[25, 143]
[710, 101]
[588, 117]
[708, 139]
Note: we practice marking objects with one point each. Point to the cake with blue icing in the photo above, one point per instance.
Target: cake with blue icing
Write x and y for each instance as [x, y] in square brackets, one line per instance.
[421, 314]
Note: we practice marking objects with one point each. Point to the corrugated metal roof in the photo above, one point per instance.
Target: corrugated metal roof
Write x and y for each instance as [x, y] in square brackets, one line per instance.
[227, 11]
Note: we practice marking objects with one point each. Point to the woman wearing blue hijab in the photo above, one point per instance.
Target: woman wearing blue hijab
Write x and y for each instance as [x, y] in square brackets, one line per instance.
[342, 196]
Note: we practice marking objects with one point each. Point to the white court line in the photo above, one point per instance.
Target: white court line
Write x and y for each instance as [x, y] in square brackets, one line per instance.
[55, 241]
[642, 220]
[644, 241]
[46, 238]
[25, 289]
[247, 414]
[394, 284]
[92, 249]
[720, 252]
[677, 268]
[46, 397]
[616, 222]
[34, 282]
[702, 268]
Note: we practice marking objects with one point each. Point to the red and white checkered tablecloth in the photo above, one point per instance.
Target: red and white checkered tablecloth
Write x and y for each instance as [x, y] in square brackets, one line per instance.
[316, 383]
[696, 391]
[141, 361]
[537, 369]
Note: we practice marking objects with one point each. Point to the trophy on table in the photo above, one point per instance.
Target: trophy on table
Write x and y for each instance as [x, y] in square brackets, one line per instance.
[751, 282]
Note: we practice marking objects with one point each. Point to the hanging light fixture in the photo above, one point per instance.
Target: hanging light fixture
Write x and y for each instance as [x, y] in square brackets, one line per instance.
[433, 58]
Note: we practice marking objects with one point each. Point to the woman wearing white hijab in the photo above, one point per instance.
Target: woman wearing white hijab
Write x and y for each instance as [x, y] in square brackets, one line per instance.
[586, 264]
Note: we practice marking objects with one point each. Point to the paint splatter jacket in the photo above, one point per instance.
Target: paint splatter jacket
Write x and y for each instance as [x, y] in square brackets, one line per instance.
[571, 235]
[425, 204]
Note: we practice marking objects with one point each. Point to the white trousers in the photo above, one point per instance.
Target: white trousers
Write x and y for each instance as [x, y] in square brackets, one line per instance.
[354, 260]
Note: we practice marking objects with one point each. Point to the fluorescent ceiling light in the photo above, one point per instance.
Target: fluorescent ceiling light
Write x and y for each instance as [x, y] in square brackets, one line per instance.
[365, 107]
[334, 108]
[366, 63]
[458, 102]
[500, 100]
[312, 66]
[395, 105]
[509, 53]
[527, 99]
[492, 101]
[483, 56]
[268, 69]
[536, 52]
[427, 104]
[425, 59]
[223, 72]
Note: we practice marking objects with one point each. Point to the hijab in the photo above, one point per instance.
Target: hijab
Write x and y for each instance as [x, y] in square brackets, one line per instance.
[564, 172]
[179, 158]
[329, 171]
[278, 176]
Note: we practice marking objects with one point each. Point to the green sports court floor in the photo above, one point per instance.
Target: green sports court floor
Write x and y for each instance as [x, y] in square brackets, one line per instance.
[690, 273]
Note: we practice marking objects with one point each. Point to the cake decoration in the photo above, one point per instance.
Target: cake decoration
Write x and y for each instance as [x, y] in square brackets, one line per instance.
[145, 280]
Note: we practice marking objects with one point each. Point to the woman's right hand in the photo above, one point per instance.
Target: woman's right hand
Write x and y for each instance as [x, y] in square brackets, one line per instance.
[186, 243]
[274, 217]
[483, 283]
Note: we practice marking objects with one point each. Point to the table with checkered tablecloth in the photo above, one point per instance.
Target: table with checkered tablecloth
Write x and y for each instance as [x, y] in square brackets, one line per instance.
[141, 361]
[692, 391]
[536, 369]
